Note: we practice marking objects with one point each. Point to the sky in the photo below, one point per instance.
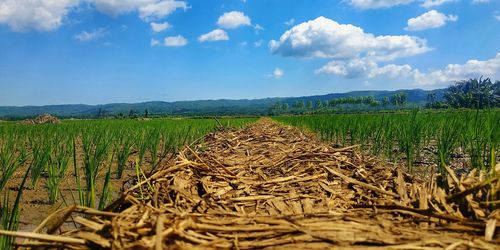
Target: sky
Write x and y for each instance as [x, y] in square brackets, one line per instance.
[109, 51]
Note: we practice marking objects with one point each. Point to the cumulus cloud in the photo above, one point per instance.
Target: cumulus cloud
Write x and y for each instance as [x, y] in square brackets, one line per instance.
[175, 41]
[434, 3]
[258, 43]
[159, 27]
[470, 69]
[148, 9]
[41, 15]
[214, 35]
[86, 36]
[480, 1]
[325, 38]
[377, 4]
[362, 68]
[258, 28]
[290, 22]
[47, 15]
[277, 73]
[233, 19]
[160, 9]
[154, 42]
[429, 20]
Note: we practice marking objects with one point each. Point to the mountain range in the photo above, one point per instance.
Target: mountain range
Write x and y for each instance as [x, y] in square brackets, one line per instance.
[198, 108]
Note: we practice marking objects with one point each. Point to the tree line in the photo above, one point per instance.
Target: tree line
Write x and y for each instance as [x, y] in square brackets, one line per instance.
[399, 99]
[473, 93]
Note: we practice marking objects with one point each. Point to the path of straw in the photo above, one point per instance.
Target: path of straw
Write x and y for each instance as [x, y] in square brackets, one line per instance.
[272, 186]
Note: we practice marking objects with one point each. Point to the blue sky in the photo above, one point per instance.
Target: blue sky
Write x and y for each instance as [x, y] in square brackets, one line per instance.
[103, 51]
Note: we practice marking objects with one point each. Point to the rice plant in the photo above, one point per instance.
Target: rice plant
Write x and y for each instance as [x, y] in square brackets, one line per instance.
[95, 151]
[447, 139]
[41, 150]
[414, 137]
[10, 215]
[12, 155]
[58, 165]
[123, 148]
[92, 148]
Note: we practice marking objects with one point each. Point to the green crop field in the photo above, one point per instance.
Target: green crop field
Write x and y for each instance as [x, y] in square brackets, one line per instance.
[91, 153]
[415, 137]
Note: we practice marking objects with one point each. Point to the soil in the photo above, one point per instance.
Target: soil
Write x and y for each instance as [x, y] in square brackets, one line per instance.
[35, 207]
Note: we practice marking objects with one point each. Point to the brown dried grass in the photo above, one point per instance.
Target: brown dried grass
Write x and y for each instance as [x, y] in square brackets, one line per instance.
[42, 119]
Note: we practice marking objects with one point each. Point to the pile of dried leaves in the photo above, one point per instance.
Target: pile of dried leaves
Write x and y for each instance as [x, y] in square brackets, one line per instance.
[271, 186]
[42, 119]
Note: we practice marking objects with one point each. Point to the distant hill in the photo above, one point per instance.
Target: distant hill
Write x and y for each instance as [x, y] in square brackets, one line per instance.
[202, 107]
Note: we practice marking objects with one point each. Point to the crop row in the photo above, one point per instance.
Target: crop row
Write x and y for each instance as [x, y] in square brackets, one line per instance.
[433, 138]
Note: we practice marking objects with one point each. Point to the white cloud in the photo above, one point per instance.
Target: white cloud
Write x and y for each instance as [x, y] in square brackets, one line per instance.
[117, 7]
[470, 69]
[86, 36]
[175, 41]
[348, 69]
[41, 15]
[47, 15]
[233, 19]
[429, 20]
[258, 43]
[360, 68]
[434, 3]
[148, 9]
[154, 42]
[214, 35]
[325, 38]
[497, 17]
[159, 27]
[277, 73]
[258, 28]
[160, 9]
[290, 22]
[377, 4]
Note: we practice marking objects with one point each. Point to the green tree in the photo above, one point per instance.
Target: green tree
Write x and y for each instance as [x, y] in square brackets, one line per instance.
[385, 101]
[285, 106]
[301, 104]
[473, 93]
[399, 99]
[318, 104]
[309, 105]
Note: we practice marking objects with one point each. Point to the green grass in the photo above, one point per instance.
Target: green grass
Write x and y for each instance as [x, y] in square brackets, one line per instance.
[409, 136]
[96, 151]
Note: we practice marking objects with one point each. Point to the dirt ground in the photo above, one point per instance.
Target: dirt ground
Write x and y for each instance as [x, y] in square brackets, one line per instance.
[35, 207]
[272, 186]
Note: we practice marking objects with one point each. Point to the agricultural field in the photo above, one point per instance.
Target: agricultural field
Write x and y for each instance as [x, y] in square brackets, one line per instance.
[178, 124]
[423, 141]
[85, 162]
[80, 169]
